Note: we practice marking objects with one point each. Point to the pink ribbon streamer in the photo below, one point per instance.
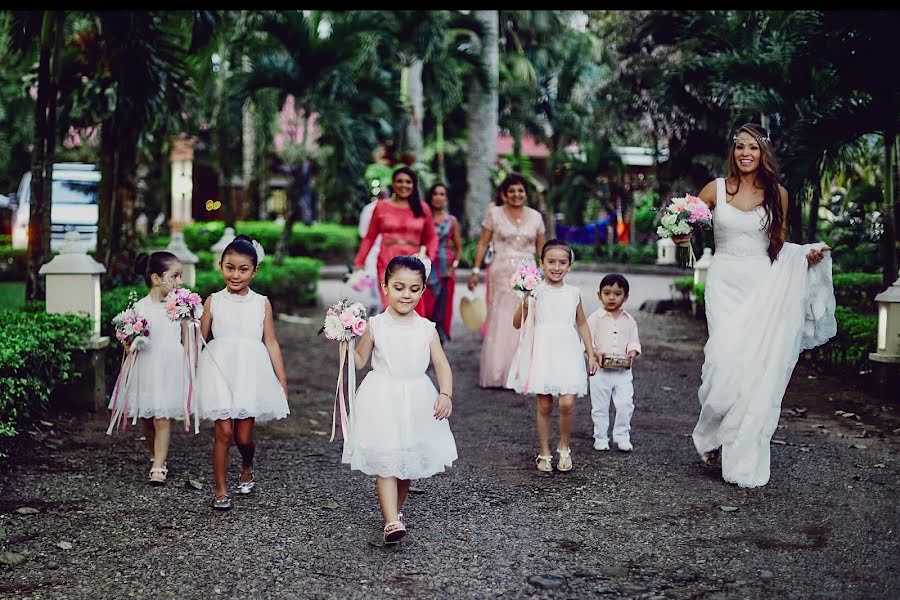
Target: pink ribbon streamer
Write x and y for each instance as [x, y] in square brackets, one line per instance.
[120, 393]
[347, 352]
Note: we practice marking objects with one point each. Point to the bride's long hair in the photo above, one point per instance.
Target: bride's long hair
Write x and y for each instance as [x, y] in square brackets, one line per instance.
[767, 176]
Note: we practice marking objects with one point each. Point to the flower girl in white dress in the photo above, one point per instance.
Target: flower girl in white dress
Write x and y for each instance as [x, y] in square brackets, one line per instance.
[155, 391]
[550, 358]
[398, 428]
[241, 377]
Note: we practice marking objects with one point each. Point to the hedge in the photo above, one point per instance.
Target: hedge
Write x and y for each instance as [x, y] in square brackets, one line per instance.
[849, 349]
[857, 291]
[13, 263]
[327, 241]
[35, 355]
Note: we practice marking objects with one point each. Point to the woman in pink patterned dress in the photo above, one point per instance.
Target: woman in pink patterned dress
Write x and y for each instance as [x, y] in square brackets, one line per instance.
[406, 227]
[517, 232]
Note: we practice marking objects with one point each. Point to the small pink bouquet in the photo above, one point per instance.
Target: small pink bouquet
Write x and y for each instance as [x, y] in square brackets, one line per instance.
[132, 329]
[344, 321]
[680, 217]
[525, 279]
[360, 281]
[182, 303]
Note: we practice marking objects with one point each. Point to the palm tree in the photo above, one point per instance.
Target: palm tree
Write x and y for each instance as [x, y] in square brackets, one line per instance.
[323, 63]
[482, 111]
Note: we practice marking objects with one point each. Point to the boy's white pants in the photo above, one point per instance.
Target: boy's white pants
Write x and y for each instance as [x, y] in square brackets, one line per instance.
[615, 384]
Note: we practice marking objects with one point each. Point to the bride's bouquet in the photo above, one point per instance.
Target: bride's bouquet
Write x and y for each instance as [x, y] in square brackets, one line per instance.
[133, 331]
[184, 305]
[525, 279]
[345, 321]
[680, 217]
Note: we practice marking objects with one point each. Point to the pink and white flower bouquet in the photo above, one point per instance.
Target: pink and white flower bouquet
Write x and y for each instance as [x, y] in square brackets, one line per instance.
[132, 329]
[182, 303]
[525, 279]
[344, 321]
[359, 281]
[680, 217]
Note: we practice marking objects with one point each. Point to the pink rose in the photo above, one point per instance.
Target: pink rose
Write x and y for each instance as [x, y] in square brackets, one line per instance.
[194, 299]
[329, 313]
[348, 319]
[359, 327]
[137, 327]
[530, 282]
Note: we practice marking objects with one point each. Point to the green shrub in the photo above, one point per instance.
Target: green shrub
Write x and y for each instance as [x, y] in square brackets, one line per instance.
[204, 261]
[857, 291]
[849, 349]
[641, 254]
[327, 241]
[644, 215]
[35, 355]
[699, 290]
[289, 286]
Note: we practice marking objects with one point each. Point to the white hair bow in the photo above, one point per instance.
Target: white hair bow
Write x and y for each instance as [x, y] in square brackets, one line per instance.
[425, 261]
[260, 253]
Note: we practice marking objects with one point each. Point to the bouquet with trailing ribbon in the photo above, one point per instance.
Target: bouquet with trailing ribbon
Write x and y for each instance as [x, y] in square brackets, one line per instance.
[524, 282]
[187, 307]
[680, 217]
[344, 322]
[359, 281]
[133, 331]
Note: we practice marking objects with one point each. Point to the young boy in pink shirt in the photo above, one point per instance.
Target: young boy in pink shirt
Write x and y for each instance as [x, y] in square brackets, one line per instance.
[615, 336]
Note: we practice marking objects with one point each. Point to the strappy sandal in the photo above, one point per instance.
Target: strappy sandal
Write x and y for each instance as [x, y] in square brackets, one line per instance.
[710, 458]
[394, 531]
[158, 476]
[564, 464]
[544, 463]
[245, 487]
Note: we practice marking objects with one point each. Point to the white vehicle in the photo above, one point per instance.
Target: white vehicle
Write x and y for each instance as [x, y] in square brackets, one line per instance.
[76, 188]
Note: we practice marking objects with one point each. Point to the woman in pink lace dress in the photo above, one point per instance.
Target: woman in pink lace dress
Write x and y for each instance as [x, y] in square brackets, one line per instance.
[406, 227]
[517, 232]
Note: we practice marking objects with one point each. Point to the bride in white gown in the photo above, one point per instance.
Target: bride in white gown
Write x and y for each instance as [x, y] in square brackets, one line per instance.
[766, 301]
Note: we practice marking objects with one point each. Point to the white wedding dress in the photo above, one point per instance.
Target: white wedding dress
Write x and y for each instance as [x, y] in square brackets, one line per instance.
[761, 315]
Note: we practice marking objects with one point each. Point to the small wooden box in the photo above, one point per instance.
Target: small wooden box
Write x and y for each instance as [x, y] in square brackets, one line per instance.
[613, 361]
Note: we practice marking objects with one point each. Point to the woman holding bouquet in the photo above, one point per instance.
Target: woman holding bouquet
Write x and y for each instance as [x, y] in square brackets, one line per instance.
[405, 224]
[517, 232]
[766, 301]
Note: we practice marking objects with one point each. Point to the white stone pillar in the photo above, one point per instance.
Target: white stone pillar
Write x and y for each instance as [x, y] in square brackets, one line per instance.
[219, 247]
[182, 160]
[701, 267]
[188, 259]
[665, 252]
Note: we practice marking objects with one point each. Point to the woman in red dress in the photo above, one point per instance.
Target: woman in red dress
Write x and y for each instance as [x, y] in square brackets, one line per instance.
[406, 227]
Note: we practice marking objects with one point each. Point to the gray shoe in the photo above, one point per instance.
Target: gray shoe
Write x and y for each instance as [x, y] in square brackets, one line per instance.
[221, 503]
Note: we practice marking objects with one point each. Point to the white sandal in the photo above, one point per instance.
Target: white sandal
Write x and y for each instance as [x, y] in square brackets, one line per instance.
[394, 531]
[158, 476]
[544, 463]
[564, 464]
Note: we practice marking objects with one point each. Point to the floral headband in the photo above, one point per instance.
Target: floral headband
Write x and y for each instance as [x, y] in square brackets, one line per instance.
[260, 253]
[758, 138]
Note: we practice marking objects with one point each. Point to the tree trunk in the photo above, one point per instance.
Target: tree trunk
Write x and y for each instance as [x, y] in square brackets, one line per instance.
[889, 237]
[42, 153]
[439, 142]
[812, 224]
[482, 127]
[414, 136]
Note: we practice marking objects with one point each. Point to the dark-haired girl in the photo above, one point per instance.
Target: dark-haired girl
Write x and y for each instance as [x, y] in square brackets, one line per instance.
[399, 430]
[154, 391]
[766, 301]
[241, 375]
[405, 224]
[550, 359]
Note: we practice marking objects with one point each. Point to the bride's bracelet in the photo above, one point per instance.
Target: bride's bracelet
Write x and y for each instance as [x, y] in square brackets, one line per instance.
[446, 394]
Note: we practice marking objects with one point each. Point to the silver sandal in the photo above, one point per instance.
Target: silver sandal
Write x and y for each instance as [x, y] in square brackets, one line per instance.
[245, 487]
[161, 471]
[223, 503]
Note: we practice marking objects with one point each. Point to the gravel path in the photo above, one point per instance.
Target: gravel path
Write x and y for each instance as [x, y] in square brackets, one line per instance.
[649, 524]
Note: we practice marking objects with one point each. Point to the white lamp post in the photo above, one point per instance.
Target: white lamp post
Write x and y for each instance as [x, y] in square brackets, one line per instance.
[701, 267]
[219, 247]
[73, 286]
[73, 281]
[188, 259]
[888, 325]
[182, 160]
[665, 252]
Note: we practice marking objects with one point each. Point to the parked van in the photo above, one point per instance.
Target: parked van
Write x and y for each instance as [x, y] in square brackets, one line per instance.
[76, 188]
